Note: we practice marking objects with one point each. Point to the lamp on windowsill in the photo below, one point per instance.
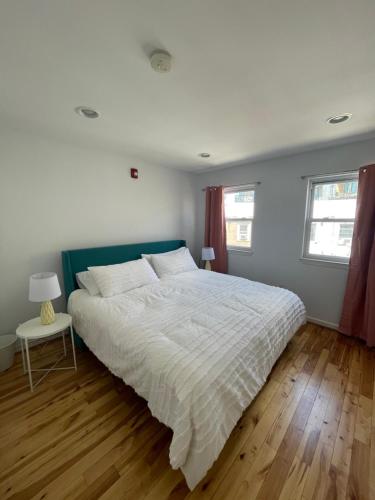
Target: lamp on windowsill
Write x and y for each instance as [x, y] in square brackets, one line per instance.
[208, 254]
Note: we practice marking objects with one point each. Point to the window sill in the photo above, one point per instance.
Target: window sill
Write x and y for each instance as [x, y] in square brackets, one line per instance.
[247, 251]
[324, 262]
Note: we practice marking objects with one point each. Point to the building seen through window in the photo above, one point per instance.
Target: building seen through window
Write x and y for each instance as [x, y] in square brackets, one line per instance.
[239, 214]
[330, 218]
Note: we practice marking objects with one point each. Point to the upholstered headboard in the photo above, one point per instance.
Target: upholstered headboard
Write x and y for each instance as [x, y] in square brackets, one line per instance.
[74, 261]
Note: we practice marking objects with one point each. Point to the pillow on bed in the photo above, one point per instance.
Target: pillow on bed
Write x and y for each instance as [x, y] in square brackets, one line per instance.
[148, 256]
[120, 278]
[86, 282]
[175, 263]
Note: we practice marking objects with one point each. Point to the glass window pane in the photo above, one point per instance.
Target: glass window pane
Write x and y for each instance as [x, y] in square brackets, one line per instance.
[332, 239]
[239, 205]
[238, 233]
[335, 200]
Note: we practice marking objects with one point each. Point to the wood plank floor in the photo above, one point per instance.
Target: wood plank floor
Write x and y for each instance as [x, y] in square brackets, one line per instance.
[310, 433]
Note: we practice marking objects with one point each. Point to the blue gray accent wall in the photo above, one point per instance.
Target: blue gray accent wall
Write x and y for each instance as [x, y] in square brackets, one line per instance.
[279, 223]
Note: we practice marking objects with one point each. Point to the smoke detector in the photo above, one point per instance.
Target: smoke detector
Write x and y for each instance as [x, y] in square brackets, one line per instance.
[161, 61]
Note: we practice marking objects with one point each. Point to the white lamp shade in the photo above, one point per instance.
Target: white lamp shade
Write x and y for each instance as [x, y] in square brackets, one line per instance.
[208, 253]
[44, 287]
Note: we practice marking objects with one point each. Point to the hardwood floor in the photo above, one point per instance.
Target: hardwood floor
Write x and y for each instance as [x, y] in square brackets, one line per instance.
[310, 433]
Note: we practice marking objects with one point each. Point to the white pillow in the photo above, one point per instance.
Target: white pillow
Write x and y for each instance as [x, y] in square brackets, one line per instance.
[87, 282]
[120, 278]
[148, 256]
[173, 264]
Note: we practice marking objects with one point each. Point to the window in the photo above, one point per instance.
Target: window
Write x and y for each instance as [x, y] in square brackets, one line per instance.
[330, 216]
[239, 215]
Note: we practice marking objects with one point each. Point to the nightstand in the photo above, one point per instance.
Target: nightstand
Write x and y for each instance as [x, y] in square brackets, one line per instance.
[34, 330]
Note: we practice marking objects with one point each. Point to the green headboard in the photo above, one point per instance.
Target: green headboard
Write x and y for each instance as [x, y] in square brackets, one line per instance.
[74, 261]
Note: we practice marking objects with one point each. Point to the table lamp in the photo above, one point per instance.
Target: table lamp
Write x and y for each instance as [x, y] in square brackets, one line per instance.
[43, 288]
[208, 254]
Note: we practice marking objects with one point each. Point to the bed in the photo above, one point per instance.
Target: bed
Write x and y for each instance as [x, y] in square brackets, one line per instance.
[198, 346]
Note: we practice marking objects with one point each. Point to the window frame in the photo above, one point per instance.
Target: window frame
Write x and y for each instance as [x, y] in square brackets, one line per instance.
[235, 189]
[312, 182]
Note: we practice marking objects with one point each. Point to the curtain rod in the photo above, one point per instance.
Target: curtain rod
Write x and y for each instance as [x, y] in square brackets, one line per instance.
[330, 174]
[237, 185]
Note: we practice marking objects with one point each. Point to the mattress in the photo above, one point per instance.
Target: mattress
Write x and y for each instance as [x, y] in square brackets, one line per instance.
[198, 346]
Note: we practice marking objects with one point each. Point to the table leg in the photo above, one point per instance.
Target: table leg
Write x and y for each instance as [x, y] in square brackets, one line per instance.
[73, 348]
[28, 365]
[23, 356]
[63, 337]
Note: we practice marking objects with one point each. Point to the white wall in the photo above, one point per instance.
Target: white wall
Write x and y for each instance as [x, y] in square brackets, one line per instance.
[279, 220]
[55, 196]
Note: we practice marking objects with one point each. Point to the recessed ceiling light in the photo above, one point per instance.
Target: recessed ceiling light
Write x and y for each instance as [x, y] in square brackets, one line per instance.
[334, 120]
[86, 112]
[204, 155]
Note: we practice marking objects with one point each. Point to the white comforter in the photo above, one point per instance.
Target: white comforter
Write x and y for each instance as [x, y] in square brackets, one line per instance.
[197, 346]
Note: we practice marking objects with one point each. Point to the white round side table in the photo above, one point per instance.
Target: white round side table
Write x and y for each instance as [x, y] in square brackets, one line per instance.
[34, 330]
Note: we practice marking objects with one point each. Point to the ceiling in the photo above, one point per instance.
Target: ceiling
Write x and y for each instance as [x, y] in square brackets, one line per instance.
[249, 79]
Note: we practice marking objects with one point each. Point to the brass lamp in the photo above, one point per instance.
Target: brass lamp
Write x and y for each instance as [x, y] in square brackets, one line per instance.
[43, 288]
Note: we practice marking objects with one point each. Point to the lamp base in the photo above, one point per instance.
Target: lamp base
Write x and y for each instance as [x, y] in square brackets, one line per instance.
[208, 266]
[47, 314]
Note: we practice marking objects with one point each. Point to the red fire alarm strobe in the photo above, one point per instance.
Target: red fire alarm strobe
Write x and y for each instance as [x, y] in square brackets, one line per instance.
[134, 173]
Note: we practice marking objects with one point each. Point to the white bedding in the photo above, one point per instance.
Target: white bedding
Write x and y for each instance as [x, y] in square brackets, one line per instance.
[198, 346]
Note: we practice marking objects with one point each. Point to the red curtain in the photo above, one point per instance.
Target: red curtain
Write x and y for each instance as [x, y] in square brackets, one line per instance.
[215, 232]
[358, 314]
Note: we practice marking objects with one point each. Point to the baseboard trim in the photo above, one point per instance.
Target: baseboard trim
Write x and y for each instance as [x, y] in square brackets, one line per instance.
[321, 322]
[317, 321]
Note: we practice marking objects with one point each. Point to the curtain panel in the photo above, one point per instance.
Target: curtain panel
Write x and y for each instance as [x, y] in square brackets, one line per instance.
[358, 313]
[215, 230]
